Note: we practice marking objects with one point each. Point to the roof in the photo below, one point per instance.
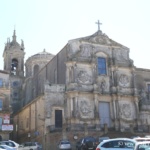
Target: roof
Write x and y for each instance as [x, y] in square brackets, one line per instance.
[99, 38]
[42, 53]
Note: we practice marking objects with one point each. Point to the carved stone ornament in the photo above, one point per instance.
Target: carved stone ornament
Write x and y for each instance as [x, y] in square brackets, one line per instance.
[103, 85]
[85, 108]
[125, 111]
[123, 80]
[85, 50]
[83, 77]
[121, 55]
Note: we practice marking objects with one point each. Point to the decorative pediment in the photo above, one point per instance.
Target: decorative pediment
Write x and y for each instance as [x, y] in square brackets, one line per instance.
[100, 38]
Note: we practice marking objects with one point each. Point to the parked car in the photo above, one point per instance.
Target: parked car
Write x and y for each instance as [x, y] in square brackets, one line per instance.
[7, 147]
[88, 143]
[78, 144]
[117, 143]
[64, 145]
[30, 146]
[145, 145]
[2, 148]
[17, 145]
[10, 143]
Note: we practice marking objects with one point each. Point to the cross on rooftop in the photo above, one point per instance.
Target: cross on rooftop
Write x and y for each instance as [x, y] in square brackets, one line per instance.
[98, 23]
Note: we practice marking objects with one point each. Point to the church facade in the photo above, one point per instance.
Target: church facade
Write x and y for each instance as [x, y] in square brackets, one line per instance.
[90, 84]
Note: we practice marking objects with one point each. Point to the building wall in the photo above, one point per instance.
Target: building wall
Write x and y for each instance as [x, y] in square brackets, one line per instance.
[29, 122]
[5, 105]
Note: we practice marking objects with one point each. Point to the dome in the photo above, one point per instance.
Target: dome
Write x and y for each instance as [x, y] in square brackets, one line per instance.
[38, 60]
[43, 54]
[40, 57]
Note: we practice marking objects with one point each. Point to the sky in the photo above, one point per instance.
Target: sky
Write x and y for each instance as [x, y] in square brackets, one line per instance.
[50, 24]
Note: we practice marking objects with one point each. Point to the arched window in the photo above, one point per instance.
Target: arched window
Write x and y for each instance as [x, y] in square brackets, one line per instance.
[14, 66]
[36, 69]
[102, 66]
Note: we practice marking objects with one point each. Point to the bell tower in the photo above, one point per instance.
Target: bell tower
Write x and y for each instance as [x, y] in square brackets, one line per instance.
[14, 64]
[14, 56]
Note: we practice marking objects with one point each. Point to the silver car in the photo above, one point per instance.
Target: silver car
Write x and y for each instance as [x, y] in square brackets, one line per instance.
[64, 145]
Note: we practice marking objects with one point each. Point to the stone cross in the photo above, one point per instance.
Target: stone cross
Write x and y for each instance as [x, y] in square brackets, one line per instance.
[99, 23]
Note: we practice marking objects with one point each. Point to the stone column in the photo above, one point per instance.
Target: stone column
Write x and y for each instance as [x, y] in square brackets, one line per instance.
[112, 77]
[114, 106]
[94, 72]
[74, 71]
[85, 129]
[115, 111]
[97, 120]
[117, 114]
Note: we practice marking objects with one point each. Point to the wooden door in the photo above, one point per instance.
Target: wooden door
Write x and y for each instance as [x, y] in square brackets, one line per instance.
[58, 118]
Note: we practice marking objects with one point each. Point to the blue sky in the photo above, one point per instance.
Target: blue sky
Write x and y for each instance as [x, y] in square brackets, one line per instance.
[50, 24]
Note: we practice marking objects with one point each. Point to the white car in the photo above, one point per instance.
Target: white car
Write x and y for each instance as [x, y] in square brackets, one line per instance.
[64, 145]
[7, 147]
[2, 148]
[10, 143]
[145, 145]
[117, 143]
[30, 146]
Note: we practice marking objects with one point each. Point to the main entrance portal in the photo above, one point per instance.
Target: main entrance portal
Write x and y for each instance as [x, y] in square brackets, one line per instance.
[104, 114]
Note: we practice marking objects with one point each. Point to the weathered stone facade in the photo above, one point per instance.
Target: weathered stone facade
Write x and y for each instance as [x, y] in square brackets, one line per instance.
[6, 126]
[90, 84]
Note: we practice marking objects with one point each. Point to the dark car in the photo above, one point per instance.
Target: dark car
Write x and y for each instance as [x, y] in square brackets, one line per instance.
[88, 143]
[78, 144]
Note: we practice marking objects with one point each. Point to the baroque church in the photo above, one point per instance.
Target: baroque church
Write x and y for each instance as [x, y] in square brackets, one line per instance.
[91, 87]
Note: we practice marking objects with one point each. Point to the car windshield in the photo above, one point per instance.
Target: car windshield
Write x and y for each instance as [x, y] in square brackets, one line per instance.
[119, 144]
[65, 142]
[8, 143]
